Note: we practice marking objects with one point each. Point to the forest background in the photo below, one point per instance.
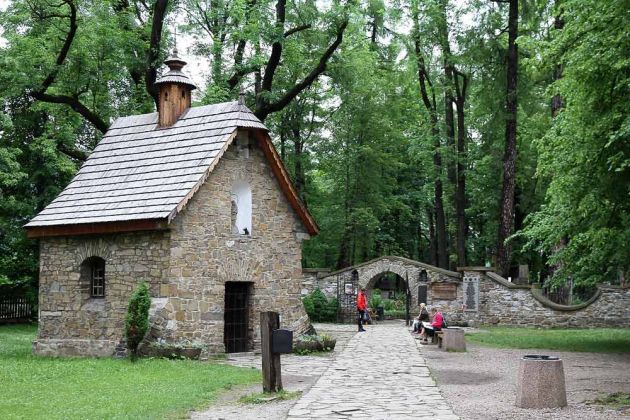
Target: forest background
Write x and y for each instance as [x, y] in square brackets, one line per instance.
[476, 132]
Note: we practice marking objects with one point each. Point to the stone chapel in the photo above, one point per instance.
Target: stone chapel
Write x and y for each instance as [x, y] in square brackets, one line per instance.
[194, 201]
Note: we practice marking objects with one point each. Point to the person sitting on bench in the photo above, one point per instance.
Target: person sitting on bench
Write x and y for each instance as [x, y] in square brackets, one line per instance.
[423, 316]
[429, 329]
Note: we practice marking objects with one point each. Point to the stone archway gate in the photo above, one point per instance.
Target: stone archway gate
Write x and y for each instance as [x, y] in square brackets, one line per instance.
[424, 279]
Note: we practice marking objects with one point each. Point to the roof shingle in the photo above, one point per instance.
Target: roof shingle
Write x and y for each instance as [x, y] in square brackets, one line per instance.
[139, 171]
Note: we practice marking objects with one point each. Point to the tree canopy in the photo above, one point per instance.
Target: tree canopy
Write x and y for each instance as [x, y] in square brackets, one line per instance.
[457, 133]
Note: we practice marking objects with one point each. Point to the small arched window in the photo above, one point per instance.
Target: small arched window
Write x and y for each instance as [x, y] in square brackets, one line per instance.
[93, 268]
[241, 211]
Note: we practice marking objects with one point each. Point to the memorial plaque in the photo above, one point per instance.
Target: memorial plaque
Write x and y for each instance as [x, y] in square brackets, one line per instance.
[471, 294]
[444, 291]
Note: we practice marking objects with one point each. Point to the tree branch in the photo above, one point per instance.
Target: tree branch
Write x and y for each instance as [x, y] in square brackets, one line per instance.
[276, 47]
[63, 53]
[72, 101]
[239, 72]
[153, 53]
[77, 154]
[296, 29]
[76, 105]
[263, 109]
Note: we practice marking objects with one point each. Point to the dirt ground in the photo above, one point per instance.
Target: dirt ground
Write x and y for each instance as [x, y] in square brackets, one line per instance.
[481, 383]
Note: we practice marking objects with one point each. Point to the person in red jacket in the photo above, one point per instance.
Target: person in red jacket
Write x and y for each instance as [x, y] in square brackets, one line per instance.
[436, 325]
[361, 307]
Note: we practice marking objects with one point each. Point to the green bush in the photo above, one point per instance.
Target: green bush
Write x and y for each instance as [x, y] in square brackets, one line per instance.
[137, 321]
[389, 305]
[375, 299]
[319, 308]
[396, 314]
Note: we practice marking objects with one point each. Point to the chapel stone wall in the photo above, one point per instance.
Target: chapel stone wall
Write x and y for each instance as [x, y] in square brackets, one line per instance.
[205, 254]
[73, 323]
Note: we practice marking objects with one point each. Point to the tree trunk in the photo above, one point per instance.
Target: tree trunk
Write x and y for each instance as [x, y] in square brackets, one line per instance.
[557, 103]
[460, 191]
[430, 105]
[506, 222]
[297, 164]
[432, 247]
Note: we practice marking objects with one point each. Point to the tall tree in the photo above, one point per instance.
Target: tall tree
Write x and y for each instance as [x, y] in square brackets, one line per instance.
[508, 191]
[427, 94]
[461, 89]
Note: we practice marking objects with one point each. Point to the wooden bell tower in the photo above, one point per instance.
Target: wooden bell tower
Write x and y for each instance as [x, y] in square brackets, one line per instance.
[175, 89]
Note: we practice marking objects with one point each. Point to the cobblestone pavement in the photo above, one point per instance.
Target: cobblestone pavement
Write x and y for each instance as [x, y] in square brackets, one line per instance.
[378, 375]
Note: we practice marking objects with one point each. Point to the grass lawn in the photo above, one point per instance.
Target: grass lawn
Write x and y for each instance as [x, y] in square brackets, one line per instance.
[607, 340]
[89, 388]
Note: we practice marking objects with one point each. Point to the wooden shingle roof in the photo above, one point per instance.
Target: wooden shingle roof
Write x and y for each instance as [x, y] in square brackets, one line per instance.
[140, 173]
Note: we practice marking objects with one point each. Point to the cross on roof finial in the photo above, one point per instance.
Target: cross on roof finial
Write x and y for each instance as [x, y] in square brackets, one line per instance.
[241, 96]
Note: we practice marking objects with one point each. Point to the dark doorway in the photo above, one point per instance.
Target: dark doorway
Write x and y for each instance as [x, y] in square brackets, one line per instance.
[422, 293]
[236, 318]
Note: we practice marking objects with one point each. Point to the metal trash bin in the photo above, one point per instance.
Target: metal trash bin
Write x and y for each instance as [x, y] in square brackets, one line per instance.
[540, 382]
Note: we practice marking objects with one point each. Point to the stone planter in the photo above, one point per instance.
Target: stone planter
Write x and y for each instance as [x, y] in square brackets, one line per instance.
[172, 352]
[309, 345]
[453, 339]
[540, 382]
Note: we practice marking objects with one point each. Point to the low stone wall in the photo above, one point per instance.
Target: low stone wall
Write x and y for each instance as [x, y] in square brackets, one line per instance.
[484, 298]
[503, 303]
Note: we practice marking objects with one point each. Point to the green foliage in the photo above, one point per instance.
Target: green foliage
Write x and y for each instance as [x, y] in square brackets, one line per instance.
[358, 142]
[389, 304]
[81, 388]
[375, 299]
[604, 340]
[137, 320]
[396, 313]
[584, 156]
[616, 400]
[319, 308]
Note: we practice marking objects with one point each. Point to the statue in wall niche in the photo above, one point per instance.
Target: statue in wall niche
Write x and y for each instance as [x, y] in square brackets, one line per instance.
[234, 213]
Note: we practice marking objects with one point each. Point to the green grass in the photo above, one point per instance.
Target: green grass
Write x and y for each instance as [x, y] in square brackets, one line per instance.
[616, 400]
[608, 340]
[89, 388]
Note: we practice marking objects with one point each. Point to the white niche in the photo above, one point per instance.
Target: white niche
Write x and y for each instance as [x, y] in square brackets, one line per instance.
[241, 211]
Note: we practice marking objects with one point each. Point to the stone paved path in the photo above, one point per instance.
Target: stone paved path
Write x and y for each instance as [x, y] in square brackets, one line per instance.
[380, 374]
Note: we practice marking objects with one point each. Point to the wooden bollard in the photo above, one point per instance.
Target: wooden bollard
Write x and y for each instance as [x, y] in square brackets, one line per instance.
[272, 375]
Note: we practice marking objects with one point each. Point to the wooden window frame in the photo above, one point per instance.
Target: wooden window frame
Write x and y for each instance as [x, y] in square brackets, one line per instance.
[97, 278]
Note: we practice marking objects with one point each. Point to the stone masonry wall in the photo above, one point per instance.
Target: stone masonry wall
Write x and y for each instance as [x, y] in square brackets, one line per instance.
[498, 303]
[73, 323]
[370, 271]
[205, 254]
[501, 305]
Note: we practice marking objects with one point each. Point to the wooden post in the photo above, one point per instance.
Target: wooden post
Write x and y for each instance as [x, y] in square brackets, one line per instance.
[272, 375]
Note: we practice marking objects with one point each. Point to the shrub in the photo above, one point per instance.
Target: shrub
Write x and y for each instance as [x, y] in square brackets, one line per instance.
[319, 308]
[375, 300]
[137, 321]
[396, 314]
[389, 305]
